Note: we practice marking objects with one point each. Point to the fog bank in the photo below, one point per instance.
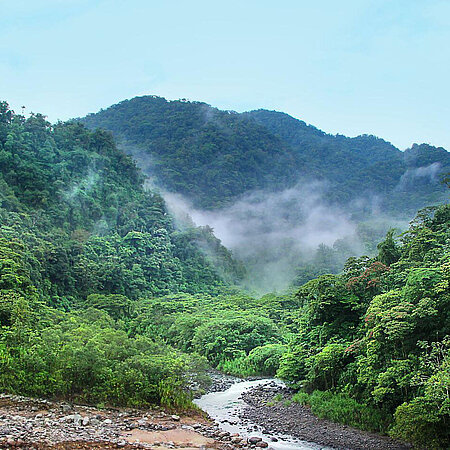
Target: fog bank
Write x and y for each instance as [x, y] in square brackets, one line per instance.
[273, 233]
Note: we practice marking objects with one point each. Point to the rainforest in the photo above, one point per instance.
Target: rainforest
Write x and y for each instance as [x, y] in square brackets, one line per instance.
[146, 245]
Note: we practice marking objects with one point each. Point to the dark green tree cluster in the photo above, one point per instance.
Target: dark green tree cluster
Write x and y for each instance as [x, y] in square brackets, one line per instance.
[379, 332]
[236, 333]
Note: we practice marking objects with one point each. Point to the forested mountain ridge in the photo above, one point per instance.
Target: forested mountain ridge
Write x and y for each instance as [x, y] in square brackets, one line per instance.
[209, 155]
[364, 164]
[213, 156]
[299, 135]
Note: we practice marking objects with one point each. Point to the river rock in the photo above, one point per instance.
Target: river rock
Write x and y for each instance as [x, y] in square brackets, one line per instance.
[254, 439]
[175, 417]
[65, 408]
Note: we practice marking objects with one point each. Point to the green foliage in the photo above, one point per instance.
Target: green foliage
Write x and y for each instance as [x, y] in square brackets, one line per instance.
[263, 360]
[344, 409]
[325, 366]
[231, 331]
[421, 422]
[377, 334]
[88, 357]
[388, 250]
[76, 207]
[226, 338]
[425, 420]
[116, 305]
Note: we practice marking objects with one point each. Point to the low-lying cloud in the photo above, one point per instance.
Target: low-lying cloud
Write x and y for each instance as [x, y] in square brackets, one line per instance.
[273, 232]
[428, 173]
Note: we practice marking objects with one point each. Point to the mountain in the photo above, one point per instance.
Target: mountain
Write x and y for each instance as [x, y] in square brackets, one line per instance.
[208, 155]
[213, 157]
[365, 165]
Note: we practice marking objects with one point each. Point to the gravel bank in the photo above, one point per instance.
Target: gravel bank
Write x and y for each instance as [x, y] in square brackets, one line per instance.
[298, 421]
[41, 424]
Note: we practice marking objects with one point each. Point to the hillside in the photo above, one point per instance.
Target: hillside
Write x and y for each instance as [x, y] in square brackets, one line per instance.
[81, 243]
[72, 196]
[75, 209]
[213, 157]
[208, 155]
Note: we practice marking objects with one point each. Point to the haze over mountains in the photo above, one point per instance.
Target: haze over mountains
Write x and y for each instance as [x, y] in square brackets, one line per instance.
[290, 200]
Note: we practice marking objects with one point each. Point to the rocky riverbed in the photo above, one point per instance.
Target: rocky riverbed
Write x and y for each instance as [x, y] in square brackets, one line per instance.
[256, 421]
[284, 417]
[41, 424]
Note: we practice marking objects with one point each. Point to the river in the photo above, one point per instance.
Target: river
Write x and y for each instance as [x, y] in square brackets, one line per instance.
[224, 408]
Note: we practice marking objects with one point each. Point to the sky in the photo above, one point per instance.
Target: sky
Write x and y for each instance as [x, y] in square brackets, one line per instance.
[350, 67]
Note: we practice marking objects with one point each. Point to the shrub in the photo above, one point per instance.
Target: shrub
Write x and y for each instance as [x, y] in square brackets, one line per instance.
[265, 360]
[422, 423]
[343, 409]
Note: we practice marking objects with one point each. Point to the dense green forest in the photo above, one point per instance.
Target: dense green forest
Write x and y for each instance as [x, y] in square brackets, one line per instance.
[103, 300]
[214, 156]
[80, 241]
[208, 155]
[378, 336]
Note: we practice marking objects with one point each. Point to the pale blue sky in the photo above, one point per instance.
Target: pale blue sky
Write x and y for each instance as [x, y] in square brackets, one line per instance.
[349, 66]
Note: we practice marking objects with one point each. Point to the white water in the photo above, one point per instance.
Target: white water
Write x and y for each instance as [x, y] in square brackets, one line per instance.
[224, 408]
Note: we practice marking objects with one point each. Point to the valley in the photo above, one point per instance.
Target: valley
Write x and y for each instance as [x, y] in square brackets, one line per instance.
[110, 298]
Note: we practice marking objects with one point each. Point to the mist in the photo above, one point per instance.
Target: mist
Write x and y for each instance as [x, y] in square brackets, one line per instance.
[86, 184]
[285, 237]
[274, 233]
[428, 173]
